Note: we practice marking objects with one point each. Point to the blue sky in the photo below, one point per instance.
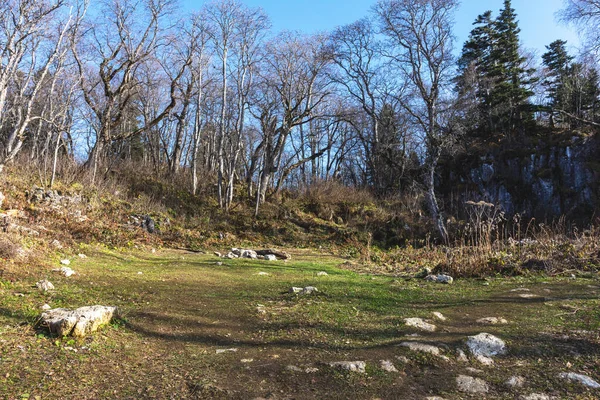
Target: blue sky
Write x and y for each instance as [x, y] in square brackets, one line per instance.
[536, 17]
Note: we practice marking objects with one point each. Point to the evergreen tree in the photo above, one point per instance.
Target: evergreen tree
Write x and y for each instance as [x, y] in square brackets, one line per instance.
[493, 72]
[558, 64]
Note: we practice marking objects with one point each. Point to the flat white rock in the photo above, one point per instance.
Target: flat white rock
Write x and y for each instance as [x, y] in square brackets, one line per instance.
[583, 379]
[422, 347]
[486, 345]
[44, 285]
[468, 384]
[420, 324]
[65, 262]
[221, 351]
[536, 396]
[352, 366]
[439, 315]
[492, 321]
[387, 366]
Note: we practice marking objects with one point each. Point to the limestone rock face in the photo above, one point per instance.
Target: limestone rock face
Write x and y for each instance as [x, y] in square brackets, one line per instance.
[79, 322]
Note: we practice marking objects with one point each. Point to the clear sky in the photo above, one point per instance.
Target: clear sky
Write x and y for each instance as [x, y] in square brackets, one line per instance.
[536, 17]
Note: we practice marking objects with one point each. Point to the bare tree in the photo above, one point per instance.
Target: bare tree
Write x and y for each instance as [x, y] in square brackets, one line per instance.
[124, 35]
[585, 14]
[32, 37]
[293, 85]
[420, 35]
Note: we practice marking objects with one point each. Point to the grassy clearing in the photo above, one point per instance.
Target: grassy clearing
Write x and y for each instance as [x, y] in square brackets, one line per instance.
[179, 308]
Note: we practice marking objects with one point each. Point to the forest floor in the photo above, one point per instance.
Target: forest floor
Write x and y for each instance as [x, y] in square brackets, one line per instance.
[190, 327]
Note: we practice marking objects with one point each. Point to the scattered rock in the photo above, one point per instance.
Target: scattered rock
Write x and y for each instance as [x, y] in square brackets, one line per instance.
[306, 290]
[521, 289]
[387, 366]
[420, 324]
[44, 285]
[403, 359]
[261, 273]
[231, 256]
[140, 273]
[486, 345]
[469, 384]
[66, 271]
[352, 366]
[81, 255]
[65, 262]
[19, 295]
[218, 263]
[536, 396]
[322, 273]
[492, 321]
[293, 368]
[221, 351]
[46, 307]
[79, 322]
[583, 379]
[270, 257]
[216, 253]
[515, 381]
[425, 348]
[56, 244]
[247, 360]
[487, 361]
[474, 370]
[434, 398]
[447, 279]
[439, 315]
[311, 370]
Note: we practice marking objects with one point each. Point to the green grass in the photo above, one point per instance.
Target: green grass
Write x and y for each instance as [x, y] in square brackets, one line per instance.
[183, 307]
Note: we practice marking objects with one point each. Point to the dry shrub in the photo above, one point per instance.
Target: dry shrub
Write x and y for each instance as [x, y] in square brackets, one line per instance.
[9, 247]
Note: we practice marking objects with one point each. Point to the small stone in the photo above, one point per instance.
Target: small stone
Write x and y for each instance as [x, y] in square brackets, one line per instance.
[216, 253]
[536, 396]
[56, 244]
[583, 379]
[474, 370]
[270, 257]
[46, 307]
[19, 295]
[65, 262]
[434, 398]
[515, 381]
[422, 347]
[322, 273]
[221, 351]
[447, 279]
[296, 290]
[140, 273]
[81, 255]
[246, 360]
[218, 263]
[293, 368]
[420, 324]
[487, 361]
[469, 384]
[521, 289]
[263, 273]
[352, 366]
[439, 315]
[492, 321]
[66, 271]
[44, 285]
[309, 290]
[486, 345]
[387, 366]
[311, 370]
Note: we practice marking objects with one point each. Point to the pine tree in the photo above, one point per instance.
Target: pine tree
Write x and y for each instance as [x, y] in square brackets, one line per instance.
[494, 73]
[558, 64]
